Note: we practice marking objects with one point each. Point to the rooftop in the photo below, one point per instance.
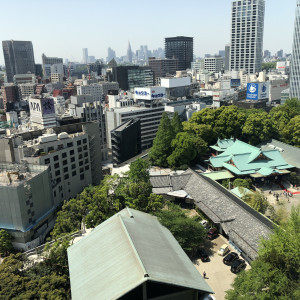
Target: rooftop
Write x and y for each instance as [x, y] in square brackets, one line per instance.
[125, 251]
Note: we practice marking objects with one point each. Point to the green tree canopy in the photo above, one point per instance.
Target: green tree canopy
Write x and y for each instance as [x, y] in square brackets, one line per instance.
[176, 124]
[257, 201]
[161, 148]
[291, 132]
[246, 183]
[187, 231]
[5, 242]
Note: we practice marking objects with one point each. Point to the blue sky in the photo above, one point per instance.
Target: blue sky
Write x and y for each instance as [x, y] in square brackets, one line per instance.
[63, 27]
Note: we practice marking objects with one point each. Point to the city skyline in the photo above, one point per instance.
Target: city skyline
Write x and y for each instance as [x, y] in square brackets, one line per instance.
[209, 25]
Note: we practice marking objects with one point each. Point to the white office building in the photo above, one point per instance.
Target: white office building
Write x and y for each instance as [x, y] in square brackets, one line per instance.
[247, 25]
[95, 90]
[295, 65]
[214, 64]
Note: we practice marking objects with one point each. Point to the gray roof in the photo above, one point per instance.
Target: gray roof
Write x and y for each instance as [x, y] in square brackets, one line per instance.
[123, 252]
[241, 223]
[290, 153]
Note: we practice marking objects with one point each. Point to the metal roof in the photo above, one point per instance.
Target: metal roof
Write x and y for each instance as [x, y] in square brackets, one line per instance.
[123, 252]
[218, 175]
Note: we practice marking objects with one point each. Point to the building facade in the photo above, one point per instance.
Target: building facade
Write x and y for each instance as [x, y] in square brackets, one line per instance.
[47, 62]
[18, 57]
[163, 66]
[10, 96]
[295, 65]
[247, 25]
[182, 48]
[140, 77]
[214, 64]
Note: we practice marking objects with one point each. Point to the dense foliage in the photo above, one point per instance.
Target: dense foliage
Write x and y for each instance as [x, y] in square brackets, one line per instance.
[175, 145]
[5, 242]
[276, 272]
[187, 231]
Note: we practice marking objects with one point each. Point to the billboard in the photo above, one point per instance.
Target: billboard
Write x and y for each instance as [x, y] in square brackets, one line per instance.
[234, 83]
[47, 106]
[41, 107]
[149, 93]
[257, 91]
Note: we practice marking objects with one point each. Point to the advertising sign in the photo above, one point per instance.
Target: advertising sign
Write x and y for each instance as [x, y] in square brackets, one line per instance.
[257, 91]
[41, 107]
[47, 106]
[234, 83]
[149, 93]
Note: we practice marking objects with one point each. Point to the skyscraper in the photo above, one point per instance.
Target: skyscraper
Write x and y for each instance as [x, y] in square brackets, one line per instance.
[180, 47]
[227, 57]
[85, 55]
[247, 25]
[19, 58]
[295, 65]
[129, 53]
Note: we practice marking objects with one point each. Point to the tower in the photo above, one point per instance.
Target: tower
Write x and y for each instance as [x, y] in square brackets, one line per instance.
[295, 65]
[85, 55]
[247, 25]
[19, 58]
[180, 47]
[129, 53]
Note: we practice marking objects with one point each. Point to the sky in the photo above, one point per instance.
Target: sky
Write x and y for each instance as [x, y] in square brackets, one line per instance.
[62, 28]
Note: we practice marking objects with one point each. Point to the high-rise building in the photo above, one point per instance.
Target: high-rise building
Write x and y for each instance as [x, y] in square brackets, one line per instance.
[180, 47]
[267, 54]
[295, 65]
[47, 62]
[214, 64]
[19, 58]
[163, 66]
[247, 25]
[280, 53]
[227, 57]
[85, 55]
[129, 53]
[110, 54]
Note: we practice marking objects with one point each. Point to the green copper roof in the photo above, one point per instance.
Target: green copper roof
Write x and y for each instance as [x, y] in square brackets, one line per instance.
[243, 159]
[218, 175]
[240, 191]
[222, 145]
[125, 251]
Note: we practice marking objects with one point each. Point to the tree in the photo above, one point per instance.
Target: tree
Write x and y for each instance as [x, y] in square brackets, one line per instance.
[185, 149]
[187, 231]
[291, 133]
[257, 201]
[139, 170]
[245, 183]
[276, 272]
[230, 122]
[5, 242]
[176, 124]
[203, 131]
[258, 128]
[161, 148]
[294, 179]
[268, 65]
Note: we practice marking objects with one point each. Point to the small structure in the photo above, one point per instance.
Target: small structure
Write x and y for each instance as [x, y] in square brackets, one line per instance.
[132, 256]
[243, 159]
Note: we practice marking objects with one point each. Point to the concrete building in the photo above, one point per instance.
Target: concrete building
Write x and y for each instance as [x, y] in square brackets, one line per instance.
[84, 107]
[24, 78]
[181, 48]
[47, 62]
[95, 90]
[57, 69]
[57, 77]
[276, 87]
[247, 25]
[198, 65]
[295, 64]
[72, 152]
[227, 58]
[149, 96]
[18, 57]
[149, 118]
[176, 87]
[214, 64]
[163, 66]
[143, 76]
[42, 112]
[85, 55]
[10, 96]
[26, 90]
[126, 141]
[26, 203]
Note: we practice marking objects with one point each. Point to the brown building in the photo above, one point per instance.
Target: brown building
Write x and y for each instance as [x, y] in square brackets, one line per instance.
[10, 95]
[163, 66]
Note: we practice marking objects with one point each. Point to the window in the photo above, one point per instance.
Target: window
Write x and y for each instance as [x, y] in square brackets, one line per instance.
[73, 166]
[47, 161]
[64, 155]
[78, 143]
[58, 180]
[87, 168]
[72, 152]
[65, 169]
[70, 144]
[81, 176]
[84, 141]
[85, 147]
[56, 165]
[72, 159]
[54, 193]
[81, 163]
[79, 149]
[81, 170]
[66, 176]
[57, 172]
[65, 162]
[55, 158]
[73, 173]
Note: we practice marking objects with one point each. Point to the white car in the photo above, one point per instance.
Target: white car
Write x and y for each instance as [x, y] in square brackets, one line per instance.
[223, 250]
[209, 297]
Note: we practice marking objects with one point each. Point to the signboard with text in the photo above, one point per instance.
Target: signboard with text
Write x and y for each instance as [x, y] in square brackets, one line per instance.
[257, 91]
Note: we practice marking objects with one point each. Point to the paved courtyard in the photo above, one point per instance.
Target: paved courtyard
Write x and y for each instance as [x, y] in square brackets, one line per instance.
[218, 275]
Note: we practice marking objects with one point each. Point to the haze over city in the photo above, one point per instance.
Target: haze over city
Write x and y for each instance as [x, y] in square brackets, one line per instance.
[97, 25]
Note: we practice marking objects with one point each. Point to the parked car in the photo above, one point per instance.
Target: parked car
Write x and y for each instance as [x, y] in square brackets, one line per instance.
[209, 297]
[203, 254]
[229, 258]
[212, 233]
[205, 224]
[237, 265]
[223, 250]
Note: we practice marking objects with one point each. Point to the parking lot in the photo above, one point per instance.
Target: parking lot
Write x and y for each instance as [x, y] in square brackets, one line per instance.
[218, 275]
